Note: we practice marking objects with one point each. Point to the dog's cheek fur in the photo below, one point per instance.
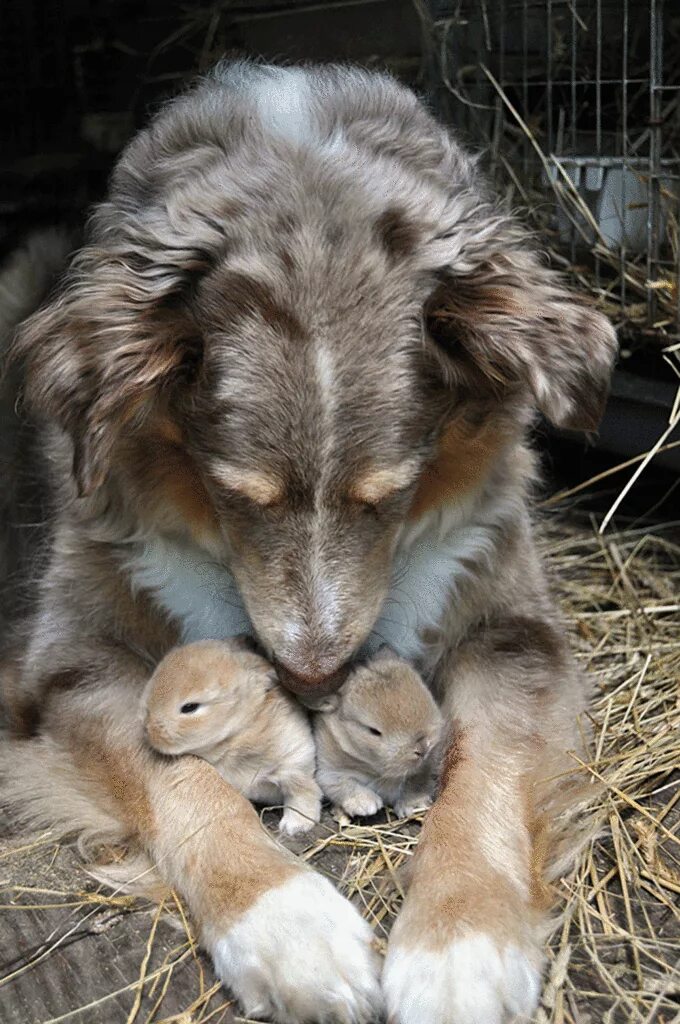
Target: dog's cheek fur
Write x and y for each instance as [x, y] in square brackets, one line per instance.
[464, 458]
[165, 484]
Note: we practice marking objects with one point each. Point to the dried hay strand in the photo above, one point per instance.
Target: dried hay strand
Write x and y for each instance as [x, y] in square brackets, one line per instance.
[640, 294]
[616, 954]
[615, 951]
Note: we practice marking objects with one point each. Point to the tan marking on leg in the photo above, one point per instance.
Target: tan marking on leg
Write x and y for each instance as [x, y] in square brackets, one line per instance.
[116, 771]
[542, 895]
[455, 888]
[211, 836]
[453, 757]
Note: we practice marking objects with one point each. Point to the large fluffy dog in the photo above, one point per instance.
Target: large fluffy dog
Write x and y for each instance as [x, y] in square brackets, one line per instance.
[287, 383]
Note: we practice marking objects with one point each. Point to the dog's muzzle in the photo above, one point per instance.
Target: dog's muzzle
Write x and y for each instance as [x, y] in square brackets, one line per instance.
[304, 685]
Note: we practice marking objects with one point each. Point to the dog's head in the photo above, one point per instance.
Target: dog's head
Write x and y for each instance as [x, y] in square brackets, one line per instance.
[299, 322]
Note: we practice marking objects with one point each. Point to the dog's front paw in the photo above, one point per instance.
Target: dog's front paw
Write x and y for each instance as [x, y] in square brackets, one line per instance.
[301, 954]
[470, 980]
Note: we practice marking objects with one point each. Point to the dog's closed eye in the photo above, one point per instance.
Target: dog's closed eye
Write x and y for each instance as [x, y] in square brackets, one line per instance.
[259, 487]
[377, 485]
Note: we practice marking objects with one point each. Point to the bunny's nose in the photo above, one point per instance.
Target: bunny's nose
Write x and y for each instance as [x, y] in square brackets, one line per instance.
[319, 679]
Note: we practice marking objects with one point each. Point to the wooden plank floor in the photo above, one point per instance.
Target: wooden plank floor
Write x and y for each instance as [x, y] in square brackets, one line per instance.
[66, 956]
[69, 953]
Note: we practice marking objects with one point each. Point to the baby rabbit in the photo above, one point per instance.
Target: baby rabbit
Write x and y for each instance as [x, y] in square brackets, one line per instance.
[376, 740]
[222, 701]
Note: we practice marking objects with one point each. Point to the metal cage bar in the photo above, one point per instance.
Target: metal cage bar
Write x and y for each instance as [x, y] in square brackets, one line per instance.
[595, 97]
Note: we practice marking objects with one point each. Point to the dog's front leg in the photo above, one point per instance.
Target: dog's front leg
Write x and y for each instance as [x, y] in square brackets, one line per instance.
[284, 940]
[467, 947]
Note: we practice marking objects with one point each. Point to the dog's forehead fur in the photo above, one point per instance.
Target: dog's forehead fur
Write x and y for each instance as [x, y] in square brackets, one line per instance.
[312, 223]
[295, 386]
[294, 143]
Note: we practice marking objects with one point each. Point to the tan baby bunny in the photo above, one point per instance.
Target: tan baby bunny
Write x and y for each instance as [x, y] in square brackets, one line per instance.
[222, 701]
[377, 740]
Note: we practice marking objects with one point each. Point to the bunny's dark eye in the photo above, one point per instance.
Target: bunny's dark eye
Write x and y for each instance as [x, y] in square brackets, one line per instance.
[189, 708]
[373, 730]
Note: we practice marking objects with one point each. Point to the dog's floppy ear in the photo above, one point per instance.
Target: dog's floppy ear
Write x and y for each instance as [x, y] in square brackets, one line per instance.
[97, 358]
[519, 325]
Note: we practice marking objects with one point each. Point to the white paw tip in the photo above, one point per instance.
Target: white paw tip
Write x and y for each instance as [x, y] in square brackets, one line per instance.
[301, 953]
[471, 981]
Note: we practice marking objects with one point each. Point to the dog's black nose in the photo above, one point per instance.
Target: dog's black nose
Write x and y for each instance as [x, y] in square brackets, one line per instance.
[306, 682]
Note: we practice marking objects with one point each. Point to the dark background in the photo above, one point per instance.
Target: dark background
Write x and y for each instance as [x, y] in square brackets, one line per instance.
[78, 77]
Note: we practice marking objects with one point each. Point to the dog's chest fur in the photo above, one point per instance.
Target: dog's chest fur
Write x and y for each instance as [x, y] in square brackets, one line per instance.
[196, 591]
[433, 556]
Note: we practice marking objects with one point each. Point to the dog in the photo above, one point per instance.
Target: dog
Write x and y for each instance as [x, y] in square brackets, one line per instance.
[286, 388]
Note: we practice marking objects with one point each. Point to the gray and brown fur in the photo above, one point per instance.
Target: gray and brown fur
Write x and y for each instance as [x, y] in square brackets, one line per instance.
[298, 356]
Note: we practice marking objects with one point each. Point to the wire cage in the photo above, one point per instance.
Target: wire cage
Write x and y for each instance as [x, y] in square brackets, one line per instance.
[576, 104]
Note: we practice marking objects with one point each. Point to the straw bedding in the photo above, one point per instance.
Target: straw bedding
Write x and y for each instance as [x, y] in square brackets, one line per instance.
[615, 951]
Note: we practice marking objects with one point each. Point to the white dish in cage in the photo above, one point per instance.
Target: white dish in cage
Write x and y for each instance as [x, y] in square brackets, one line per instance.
[616, 192]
